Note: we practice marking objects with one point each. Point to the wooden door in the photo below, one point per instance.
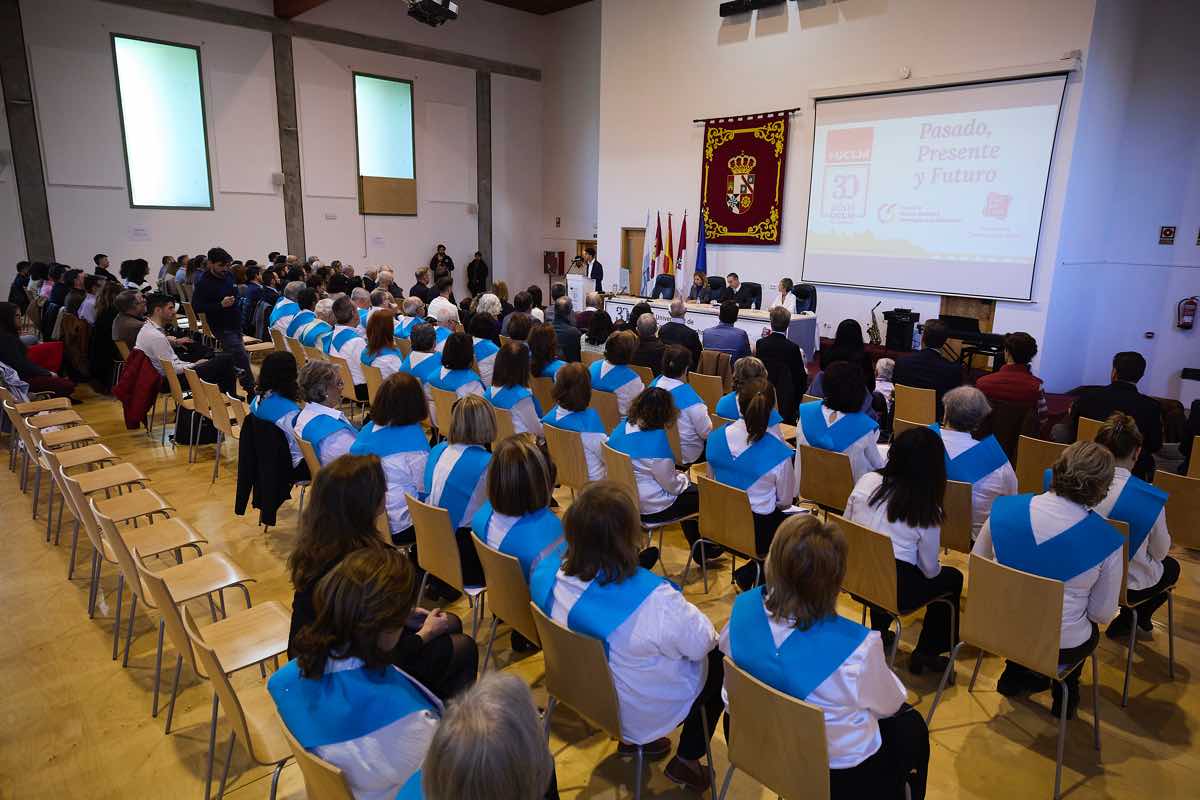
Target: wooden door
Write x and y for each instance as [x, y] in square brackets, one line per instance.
[633, 243]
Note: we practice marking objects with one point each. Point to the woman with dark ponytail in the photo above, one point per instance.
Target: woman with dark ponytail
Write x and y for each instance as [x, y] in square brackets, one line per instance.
[747, 455]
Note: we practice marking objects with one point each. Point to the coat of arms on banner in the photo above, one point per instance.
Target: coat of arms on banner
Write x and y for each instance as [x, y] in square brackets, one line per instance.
[741, 191]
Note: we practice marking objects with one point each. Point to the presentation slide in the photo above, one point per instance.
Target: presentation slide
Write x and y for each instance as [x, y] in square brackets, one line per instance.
[936, 190]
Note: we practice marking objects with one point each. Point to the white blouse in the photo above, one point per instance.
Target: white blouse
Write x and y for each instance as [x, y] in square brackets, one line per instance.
[441, 473]
[659, 483]
[626, 393]
[592, 449]
[1145, 566]
[1000, 481]
[335, 444]
[916, 546]
[352, 352]
[788, 301]
[525, 418]
[864, 453]
[694, 424]
[774, 489]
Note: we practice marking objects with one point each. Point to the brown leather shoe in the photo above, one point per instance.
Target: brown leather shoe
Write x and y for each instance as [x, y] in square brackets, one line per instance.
[653, 751]
[697, 778]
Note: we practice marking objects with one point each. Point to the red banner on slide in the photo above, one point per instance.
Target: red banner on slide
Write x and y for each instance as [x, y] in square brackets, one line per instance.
[849, 146]
[741, 189]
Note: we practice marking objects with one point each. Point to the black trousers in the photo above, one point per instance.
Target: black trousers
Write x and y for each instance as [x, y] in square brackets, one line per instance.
[913, 590]
[220, 369]
[472, 569]
[686, 503]
[360, 392]
[1154, 596]
[1066, 655]
[901, 760]
[445, 665]
[694, 738]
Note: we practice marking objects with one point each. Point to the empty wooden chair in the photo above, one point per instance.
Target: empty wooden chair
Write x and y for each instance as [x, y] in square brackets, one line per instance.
[607, 407]
[202, 400]
[726, 519]
[322, 780]
[543, 392]
[103, 479]
[278, 340]
[297, 351]
[710, 388]
[792, 766]
[508, 595]
[1034, 457]
[182, 401]
[1018, 616]
[825, 477]
[566, 451]
[1087, 430]
[917, 405]
[439, 555]
[958, 515]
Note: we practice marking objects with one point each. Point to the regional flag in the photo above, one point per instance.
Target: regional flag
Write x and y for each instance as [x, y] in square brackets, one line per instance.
[658, 249]
[681, 259]
[701, 252]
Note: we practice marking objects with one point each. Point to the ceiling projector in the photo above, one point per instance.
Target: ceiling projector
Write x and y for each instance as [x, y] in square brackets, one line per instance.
[433, 12]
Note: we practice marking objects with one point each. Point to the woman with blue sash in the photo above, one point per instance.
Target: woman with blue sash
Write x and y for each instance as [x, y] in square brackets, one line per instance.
[543, 352]
[746, 455]
[456, 475]
[664, 493]
[694, 422]
[904, 501]
[396, 436]
[788, 635]
[614, 374]
[381, 351]
[285, 307]
[306, 299]
[316, 333]
[320, 422]
[347, 343]
[1141, 506]
[341, 698]
[412, 314]
[442, 331]
[455, 374]
[510, 389]
[747, 368]
[277, 402]
[1057, 535]
[483, 328]
[982, 463]
[573, 412]
[837, 423]
[661, 649]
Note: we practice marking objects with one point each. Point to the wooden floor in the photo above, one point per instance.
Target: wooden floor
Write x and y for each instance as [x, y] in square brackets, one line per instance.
[73, 723]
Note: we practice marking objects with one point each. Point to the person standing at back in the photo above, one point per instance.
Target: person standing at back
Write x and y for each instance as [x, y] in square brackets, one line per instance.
[595, 270]
[477, 275]
[927, 369]
[1123, 395]
[215, 296]
[784, 361]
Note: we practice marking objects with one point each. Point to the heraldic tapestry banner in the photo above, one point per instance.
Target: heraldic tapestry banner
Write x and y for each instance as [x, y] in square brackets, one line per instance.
[741, 190]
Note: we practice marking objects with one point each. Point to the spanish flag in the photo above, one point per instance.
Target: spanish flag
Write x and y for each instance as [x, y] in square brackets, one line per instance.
[669, 260]
[658, 248]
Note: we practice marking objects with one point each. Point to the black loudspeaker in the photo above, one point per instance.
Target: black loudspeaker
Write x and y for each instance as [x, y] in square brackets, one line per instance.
[901, 322]
[735, 7]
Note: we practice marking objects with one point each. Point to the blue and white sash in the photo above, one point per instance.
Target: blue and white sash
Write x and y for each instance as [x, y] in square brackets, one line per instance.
[388, 440]
[453, 380]
[341, 339]
[728, 408]
[282, 308]
[440, 336]
[640, 444]
[322, 426]
[412, 788]
[612, 380]
[533, 536]
[976, 462]
[755, 461]
[803, 661]
[363, 314]
[507, 397]
[551, 370]
[368, 357]
[460, 484]
[586, 421]
[683, 395]
[404, 326]
[845, 431]
[309, 336]
[1138, 505]
[1076, 550]
[272, 407]
[603, 607]
[301, 319]
[485, 349]
[423, 370]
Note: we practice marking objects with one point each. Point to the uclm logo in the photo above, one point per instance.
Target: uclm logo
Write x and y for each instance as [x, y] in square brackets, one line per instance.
[849, 145]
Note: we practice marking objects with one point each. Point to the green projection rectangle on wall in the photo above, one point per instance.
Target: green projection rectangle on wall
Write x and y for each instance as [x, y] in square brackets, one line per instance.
[383, 115]
[161, 106]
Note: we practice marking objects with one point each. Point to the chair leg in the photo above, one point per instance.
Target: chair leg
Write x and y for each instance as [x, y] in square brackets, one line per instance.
[1129, 657]
[302, 489]
[74, 551]
[421, 589]
[937, 698]
[49, 507]
[129, 631]
[275, 779]
[117, 616]
[37, 488]
[1096, 703]
[637, 775]
[225, 771]
[895, 643]
[212, 744]
[93, 588]
[174, 694]
[546, 716]
[157, 669]
[217, 456]
[487, 656]
[712, 773]
[1062, 740]
[704, 566]
[975, 674]
[1171, 634]
[726, 782]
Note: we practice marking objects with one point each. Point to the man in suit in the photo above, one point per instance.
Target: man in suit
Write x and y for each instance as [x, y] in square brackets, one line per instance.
[649, 351]
[421, 289]
[726, 336]
[736, 292]
[595, 270]
[568, 335]
[584, 318]
[677, 331]
[477, 275]
[926, 369]
[1122, 395]
[784, 361]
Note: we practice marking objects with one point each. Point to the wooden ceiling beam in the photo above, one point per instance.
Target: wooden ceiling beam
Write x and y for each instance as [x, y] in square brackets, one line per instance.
[287, 9]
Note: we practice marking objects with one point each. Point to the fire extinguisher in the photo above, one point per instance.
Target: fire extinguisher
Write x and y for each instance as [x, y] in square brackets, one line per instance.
[1185, 316]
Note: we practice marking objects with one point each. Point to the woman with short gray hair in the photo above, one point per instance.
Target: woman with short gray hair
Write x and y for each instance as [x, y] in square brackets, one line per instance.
[490, 746]
[1056, 535]
[321, 423]
[983, 463]
[488, 303]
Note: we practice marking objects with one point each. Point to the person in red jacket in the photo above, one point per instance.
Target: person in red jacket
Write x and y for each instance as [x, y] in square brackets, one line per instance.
[1015, 382]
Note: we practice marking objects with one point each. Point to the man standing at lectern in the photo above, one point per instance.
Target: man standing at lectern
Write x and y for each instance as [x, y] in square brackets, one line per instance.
[593, 268]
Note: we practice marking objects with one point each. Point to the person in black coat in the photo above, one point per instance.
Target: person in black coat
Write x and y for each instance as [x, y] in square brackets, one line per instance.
[595, 270]
[677, 331]
[441, 264]
[477, 275]
[784, 361]
[1123, 395]
[567, 334]
[926, 369]
[650, 348]
[735, 291]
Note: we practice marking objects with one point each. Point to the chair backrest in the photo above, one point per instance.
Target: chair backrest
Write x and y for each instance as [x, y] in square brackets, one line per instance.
[726, 517]
[216, 404]
[675, 442]
[810, 398]
[348, 392]
[1034, 457]
[959, 513]
[1183, 505]
[436, 542]
[310, 456]
[204, 328]
[619, 467]
[825, 477]
[159, 592]
[199, 395]
[709, 387]
[504, 424]
[508, 593]
[1088, 428]
[81, 508]
[122, 348]
[278, 340]
[577, 673]
[1008, 422]
[645, 373]
[566, 451]
[793, 766]
[374, 381]
[322, 780]
[718, 421]
[1013, 614]
[504, 340]
[543, 390]
[917, 405]
[172, 381]
[190, 313]
[313, 353]
[443, 405]
[23, 430]
[607, 407]
[870, 565]
[297, 351]
[404, 346]
[111, 532]
[240, 409]
[899, 426]
[1194, 461]
[590, 356]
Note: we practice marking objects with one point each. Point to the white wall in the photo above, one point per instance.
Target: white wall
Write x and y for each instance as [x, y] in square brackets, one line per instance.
[75, 89]
[12, 235]
[653, 85]
[517, 169]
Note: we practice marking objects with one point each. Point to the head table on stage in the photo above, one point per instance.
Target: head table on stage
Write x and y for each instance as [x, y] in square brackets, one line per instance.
[802, 330]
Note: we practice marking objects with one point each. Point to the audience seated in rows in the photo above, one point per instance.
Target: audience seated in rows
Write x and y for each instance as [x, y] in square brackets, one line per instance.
[573, 412]
[613, 373]
[927, 368]
[510, 389]
[838, 423]
[725, 336]
[694, 423]
[1123, 395]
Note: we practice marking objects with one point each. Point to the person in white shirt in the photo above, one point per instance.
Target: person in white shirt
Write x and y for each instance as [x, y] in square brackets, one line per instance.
[613, 374]
[320, 423]
[380, 351]
[1086, 557]
[158, 347]
[661, 649]
[347, 342]
[904, 501]
[883, 382]
[276, 402]
[444, 288]
[485, 333]
[694, 422]
[510, 389]
[788, 635]
[785, 298]
[1142, 507]
[91, 288]
[983, 463]
[286, 307]
[573, 412]
[361, 299]
[838, 423]
[446, 318]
